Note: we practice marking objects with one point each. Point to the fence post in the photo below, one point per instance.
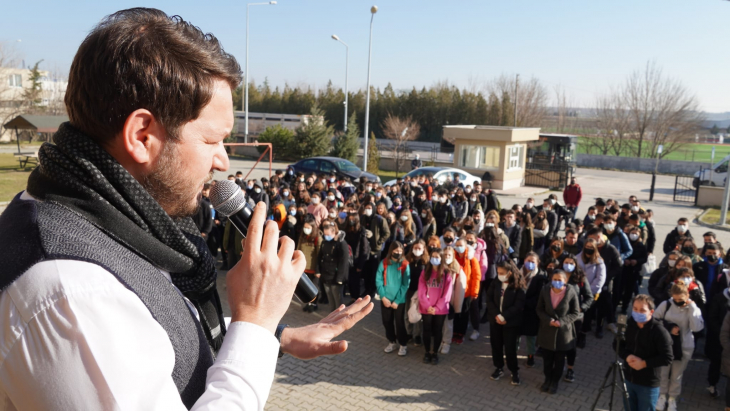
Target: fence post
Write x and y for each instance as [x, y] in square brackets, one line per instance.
[676, 180]
[653, 184]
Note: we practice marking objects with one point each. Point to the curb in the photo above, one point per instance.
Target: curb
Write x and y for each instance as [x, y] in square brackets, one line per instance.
[698, 220]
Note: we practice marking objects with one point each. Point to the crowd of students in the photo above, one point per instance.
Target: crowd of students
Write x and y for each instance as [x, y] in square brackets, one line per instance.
[443, 256]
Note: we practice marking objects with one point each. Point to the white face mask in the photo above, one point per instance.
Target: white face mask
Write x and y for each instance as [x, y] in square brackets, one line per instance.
[634, 237]
[503, 278]
[257, 190]
[552, 201]
[473, 199]
[307, 231]
[682, 228]
[609, 227]
[404, 218]
[448, 259]
[635, 209]
[285, 194]
[672, 263]
[333, 215]
[488, 224]
[315, 200]
[417, 252]
[331, 198]
[368, 212]
[529, 205]
[443, 200]
[468, 190]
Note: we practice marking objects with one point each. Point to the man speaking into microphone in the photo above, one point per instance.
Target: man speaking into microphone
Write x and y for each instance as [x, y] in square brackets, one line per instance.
[107, 291]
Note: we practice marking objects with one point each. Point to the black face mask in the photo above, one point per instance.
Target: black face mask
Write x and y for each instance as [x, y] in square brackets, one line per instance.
[448, 240]
[712, 258]
[555, 248]
[588, 251]
[688, 250]
[396, 256]
[432, 250]
[468, 227]
[476, 221]
[471, 243]
[679, 303]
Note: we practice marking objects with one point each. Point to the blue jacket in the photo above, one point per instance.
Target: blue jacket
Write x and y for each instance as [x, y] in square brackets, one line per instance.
[619, 240]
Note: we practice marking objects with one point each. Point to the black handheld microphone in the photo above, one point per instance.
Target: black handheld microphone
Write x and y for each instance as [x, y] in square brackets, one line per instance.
[228, 199]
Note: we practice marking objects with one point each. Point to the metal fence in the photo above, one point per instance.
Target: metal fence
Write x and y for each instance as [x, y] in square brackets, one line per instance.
[554, 176]
[685, 189]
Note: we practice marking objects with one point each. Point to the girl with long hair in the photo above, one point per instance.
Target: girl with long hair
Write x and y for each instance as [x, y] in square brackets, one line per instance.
[434, 296]
[417, 259]
[505, 305]
[577, 278]
[309, 243]
[391, 280]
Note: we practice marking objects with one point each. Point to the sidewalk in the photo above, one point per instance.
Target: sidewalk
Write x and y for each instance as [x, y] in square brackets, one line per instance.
[525, 191]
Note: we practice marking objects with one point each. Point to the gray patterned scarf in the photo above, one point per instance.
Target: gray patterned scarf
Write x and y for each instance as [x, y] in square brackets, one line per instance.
[78, 174]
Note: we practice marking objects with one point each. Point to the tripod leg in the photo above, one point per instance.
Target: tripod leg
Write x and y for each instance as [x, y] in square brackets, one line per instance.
[623, 387]
[603, 387]
[613, 386]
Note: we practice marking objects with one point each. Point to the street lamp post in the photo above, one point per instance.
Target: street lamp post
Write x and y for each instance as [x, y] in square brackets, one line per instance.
[373, 10]
[347, 63]
[245, 74]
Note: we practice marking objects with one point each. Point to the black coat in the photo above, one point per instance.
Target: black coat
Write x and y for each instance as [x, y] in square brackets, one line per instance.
[655, 277]
[567, 312]
[333, 261]
[653, 344]
[670, 242]
[530, 320]
[650, 238]
[513, 304]
[639, 254]
[716, 312]
[613, 262]
[702, 272]
[203, 218]
[444, 215]
[552, 219]
[360, 246]
[515, 238]
[415, 270]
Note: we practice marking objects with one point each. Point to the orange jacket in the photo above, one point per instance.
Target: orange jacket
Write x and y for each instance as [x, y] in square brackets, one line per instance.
[473, 274]
[279, 214]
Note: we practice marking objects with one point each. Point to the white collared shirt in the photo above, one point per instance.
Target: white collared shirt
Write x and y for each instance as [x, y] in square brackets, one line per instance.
[72, 337]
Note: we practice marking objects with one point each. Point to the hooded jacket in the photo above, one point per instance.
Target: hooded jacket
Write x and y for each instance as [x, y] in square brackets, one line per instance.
[480, 253]
[687, 318]
[473, 273]
[434, 293]
[653, 344]
[392, 279]
[333, 259]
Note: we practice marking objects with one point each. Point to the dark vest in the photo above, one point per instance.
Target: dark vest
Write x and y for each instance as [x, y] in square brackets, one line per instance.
[34, 231]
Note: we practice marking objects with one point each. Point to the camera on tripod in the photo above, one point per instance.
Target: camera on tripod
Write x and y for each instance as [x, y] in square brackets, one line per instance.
[621, 327]
[615, 378]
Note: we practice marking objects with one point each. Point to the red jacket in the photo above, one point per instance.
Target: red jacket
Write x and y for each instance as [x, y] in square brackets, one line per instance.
[572, 195]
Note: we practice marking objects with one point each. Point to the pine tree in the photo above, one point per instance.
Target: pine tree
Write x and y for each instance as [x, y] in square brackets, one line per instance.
[373, 155]
[313, 138]
[714, 130]
[32, 94]
[507, 111]
[346, 145]
[280, 138]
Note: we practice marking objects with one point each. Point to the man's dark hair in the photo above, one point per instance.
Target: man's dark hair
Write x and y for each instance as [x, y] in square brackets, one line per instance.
[594, 231]
[141, 58]
[683, 220]
[710, 234]
[644, 299]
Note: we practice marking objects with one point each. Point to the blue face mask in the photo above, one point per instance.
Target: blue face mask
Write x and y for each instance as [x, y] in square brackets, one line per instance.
[460, 249]
[639, 317]
[530, 265]
[343, 215]
[435, 261]
[557, 284]
[293, 212]
[569, 267]
[328, 237]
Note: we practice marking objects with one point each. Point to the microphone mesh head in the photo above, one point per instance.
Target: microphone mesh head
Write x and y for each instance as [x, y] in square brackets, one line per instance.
[227, 197]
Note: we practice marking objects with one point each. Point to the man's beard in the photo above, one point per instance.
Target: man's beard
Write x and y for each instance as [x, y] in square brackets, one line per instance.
[169, 185]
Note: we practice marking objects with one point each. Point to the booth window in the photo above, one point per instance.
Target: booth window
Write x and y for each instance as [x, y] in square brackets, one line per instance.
[15, 80]
[516, 157]
[484, 157]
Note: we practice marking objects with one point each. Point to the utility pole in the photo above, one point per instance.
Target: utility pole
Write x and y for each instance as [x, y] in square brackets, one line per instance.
[517, 81]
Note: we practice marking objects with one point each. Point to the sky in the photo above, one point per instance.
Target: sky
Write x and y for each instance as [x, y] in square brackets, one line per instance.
[585, 46]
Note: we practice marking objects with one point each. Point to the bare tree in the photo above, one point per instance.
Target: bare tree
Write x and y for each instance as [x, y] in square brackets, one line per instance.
[613, 126]
[662, 110]
[565, 117]
[400, 130]
[532, 98]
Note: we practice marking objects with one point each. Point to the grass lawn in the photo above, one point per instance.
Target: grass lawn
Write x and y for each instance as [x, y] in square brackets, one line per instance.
[12, 179]
[712, 216]
[688, 152]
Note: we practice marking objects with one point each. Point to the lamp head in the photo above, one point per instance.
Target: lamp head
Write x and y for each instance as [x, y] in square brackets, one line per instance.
[334, 36]
[273, 3]
[374, 9]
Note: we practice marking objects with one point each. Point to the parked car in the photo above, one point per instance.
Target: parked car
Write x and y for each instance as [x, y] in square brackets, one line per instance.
[714, 176]
[327, 165]
[440, 174]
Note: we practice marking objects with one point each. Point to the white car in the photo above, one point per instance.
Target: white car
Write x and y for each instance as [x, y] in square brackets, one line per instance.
[714, 176]
[440, 174]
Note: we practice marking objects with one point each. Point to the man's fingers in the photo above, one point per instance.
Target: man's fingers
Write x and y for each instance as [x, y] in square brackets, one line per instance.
[286, 249]
[271, 238]
[344, 312]
[350, 320]
[298, 262]
[255, 229]
[333, 348]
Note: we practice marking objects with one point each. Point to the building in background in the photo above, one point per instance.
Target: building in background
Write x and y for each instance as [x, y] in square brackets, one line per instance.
[258, 122]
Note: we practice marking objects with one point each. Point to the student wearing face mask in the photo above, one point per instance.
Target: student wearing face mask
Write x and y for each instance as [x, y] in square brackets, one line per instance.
[527, 240]
[646, 349]
[404, 230]
[377, 231]
[286, 197]
[505, 305]
[681, 317]
[682, 230]
[470, 308]
[334, 266]
[591, 263]
[710, 269]
[434, 296]
[663, 270]
[558, 308]
[309, 244]
[443, 211]
[617, 238]
[530, 208]
[392, 280]
[417, 260]
[535, 280]
[356, 238]
[682, 268]
[257, 193]
[631, 275]
[578, 280]
[480, 253]
[497, 251]
[474, 204]
[331, 201]
[555, 250]
[716, 313]
[429, 223]
[540, 232]
[448, 239]
[317, 209]
[513, 231]
[459, 285]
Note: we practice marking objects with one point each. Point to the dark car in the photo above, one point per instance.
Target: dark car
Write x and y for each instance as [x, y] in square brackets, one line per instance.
[327, 165]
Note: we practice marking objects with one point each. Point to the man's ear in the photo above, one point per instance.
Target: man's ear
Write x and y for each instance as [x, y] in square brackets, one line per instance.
[142, 137]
